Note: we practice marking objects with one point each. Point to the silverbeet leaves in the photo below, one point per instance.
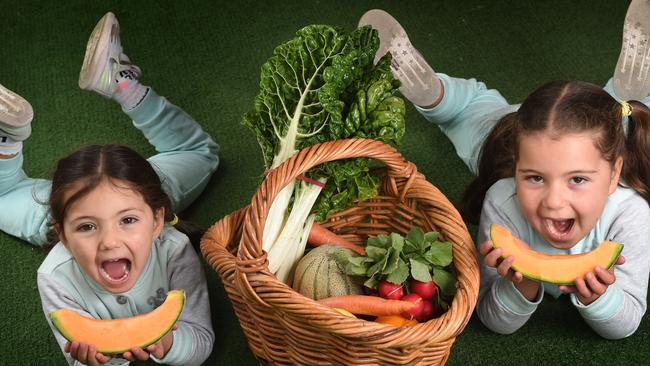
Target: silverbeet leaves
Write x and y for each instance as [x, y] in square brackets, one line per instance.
[320, 86]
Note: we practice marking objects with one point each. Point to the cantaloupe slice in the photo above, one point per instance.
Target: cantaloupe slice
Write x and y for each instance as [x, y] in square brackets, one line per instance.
[561, 269]
[116, 336]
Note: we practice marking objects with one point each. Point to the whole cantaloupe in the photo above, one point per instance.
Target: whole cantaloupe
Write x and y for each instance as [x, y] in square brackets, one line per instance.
[319, 274]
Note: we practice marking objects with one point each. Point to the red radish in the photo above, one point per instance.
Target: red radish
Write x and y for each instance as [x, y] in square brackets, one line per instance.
[426, 313]
[416, 310]
[425, 289]
[319, 235]
[391, 291]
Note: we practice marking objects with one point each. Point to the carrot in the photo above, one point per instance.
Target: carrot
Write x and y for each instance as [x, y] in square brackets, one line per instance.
[396, 320]
[319, 235]
[367, 305]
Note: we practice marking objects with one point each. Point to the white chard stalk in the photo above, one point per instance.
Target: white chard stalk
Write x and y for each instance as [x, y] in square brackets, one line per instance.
[283, 251]
[286, 271]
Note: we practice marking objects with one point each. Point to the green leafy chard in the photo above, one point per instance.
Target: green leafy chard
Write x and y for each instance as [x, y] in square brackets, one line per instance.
[320, 86]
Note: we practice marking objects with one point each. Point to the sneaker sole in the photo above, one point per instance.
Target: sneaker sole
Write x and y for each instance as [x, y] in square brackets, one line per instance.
[93, 61]
[407, 65]
[389, 28]
[15, 111]
[631, 78]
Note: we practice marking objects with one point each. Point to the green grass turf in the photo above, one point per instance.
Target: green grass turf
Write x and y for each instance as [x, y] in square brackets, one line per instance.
[205, 56]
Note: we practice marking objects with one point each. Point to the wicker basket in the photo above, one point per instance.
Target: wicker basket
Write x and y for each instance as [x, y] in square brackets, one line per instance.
[284, 327]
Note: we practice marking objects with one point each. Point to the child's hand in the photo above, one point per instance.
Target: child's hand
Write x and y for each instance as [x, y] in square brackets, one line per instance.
[85, 353]
[158, 349]
[492, 258]
[594, 284]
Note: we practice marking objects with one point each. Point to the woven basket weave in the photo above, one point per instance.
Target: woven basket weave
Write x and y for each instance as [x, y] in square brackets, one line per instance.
[285, 327]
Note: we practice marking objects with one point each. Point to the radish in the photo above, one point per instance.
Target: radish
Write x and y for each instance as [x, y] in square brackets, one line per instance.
[416, 310]
[390, 291]
[426, 290]
[426, 313]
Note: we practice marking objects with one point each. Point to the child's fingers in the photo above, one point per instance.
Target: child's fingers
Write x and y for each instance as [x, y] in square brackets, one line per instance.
[567, 289]
[620, 260]
[156, 349]
[504, 267]
[594, 284]
[91, 356]
[486, 247]
[74, 350]
[128, 356]
[605, 277]
[102, 358]
[492, 258]
[82, 352]
[582, 289]
[140, 354]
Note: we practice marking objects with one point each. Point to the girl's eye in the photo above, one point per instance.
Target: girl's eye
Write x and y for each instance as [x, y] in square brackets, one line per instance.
[129, 220]
[578, 180]
[534, 178]
[85, 227]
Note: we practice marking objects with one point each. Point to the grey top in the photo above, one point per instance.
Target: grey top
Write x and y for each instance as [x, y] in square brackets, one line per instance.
[615, 314]
[173, 264]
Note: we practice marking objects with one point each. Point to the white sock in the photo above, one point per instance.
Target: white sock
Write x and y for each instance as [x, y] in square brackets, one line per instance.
[129, 91]
[8, 146]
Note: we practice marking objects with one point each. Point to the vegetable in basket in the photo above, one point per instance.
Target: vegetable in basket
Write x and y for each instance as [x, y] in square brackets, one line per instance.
[397, 267]
[320, 86]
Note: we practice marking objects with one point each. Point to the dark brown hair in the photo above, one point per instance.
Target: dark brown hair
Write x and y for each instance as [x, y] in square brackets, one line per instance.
[559, 108]
[84, 169]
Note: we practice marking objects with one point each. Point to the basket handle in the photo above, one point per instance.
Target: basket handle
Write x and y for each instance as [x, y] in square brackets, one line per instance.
[251, 258]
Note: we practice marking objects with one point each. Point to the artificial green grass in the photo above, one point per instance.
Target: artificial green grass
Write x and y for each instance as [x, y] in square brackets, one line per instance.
[205, 56]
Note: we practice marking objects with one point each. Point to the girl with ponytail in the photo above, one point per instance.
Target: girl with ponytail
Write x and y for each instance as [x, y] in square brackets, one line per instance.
[563, 171]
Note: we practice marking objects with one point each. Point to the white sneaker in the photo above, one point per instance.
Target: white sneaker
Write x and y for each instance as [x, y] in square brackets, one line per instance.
[104, 58]
[420, 84]
[631, 76]
[15, 115]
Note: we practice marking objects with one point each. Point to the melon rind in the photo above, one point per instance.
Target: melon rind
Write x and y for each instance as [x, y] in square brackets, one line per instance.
[62, 318]
[318, 275]
[604, 255]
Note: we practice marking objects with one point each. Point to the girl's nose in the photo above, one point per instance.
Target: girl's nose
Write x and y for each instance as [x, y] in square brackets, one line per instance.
[109, 239]
[554, 197]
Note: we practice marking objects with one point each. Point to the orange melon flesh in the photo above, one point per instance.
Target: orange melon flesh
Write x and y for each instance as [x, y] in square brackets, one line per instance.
[561, 269]
[116, 336]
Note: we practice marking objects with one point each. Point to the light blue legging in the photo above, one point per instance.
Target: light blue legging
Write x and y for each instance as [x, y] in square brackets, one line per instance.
[468, 112]
[186, 159]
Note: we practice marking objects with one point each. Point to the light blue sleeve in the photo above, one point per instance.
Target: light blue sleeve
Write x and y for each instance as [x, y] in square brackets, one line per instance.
[466, 114]
[501, 307]
[194, 338]
[618, 312]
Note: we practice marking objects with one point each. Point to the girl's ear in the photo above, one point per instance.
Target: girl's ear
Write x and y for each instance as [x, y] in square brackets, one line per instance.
[158, 222]
[616, 174]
